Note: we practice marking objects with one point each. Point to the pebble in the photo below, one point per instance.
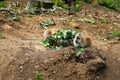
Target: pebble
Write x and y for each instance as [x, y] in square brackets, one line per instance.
[74, 24]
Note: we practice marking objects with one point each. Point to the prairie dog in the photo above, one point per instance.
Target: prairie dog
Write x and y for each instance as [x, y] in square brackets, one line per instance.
[50, 32]
[82, 39]
[47, 34]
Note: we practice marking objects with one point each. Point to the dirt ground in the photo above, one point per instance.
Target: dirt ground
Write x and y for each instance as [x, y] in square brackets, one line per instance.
[21, 55]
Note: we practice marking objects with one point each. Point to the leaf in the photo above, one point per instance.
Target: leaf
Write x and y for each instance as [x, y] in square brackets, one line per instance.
[106, 38]
[116, 24]
[79, 52]
[49, 22]
[38, 76]
[116, 33]
[105, 21]
[89, 20]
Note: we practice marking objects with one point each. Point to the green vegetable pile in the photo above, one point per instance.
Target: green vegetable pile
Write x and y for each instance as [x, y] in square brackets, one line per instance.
[62, 38]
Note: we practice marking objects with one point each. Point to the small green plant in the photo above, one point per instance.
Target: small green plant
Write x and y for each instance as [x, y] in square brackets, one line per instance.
[49, 22]
[11, 15]
[35, 11]
[116, 24]
[38, 76]
[106, 38]
[89, 20]
[95, 3]
[15, 19]
[58, 2]
[80, 50]
[3, 4]
[61, 3]
[116, 33]
[105, 21]
[88, 1]
[2, 37]
[112, 4]
[77, 5]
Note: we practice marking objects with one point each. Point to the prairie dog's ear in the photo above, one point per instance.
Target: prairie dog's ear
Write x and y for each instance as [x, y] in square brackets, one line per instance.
[85, 33]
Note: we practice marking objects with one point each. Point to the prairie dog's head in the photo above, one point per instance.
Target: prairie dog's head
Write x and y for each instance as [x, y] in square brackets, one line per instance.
[47, 34]
[78, 36]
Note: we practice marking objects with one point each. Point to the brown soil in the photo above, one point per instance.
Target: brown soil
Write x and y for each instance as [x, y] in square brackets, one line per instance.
[21, 56]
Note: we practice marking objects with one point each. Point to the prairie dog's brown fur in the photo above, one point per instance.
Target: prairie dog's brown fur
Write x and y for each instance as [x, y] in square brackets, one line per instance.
[47, 34]
[83, 39]
[50, 32]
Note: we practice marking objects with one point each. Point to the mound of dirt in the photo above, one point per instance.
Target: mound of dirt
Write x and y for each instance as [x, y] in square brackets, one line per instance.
[66, 66]
[54, 65]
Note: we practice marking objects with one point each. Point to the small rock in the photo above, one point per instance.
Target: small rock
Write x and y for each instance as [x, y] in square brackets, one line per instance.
[21, 67]
[111, 27]
[46, 61]
[94, 26]
[37, 67]
[29, 79]
[74, 24]
[118, 59]
[6, 27]
[118, 17]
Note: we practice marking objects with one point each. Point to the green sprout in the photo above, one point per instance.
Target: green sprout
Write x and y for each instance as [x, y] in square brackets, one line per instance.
[89, 20]
[105, 21]
[38, 76]
[80, 50]
[49, 22]
[116, 33]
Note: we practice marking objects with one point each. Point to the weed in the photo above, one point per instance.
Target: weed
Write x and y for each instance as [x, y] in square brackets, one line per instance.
[58, 2]
[77, 5]
[89, 20]
[35, 11]
[12, 15]
[116, 24]
[112, 4]
[80, 50]
[116, 33]
[48, 22]
[2, 37]
[105, 21]
[15, 19]
[88, 1]
[3, 4]
[61, 3]
[38, 76]
[106, 38]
